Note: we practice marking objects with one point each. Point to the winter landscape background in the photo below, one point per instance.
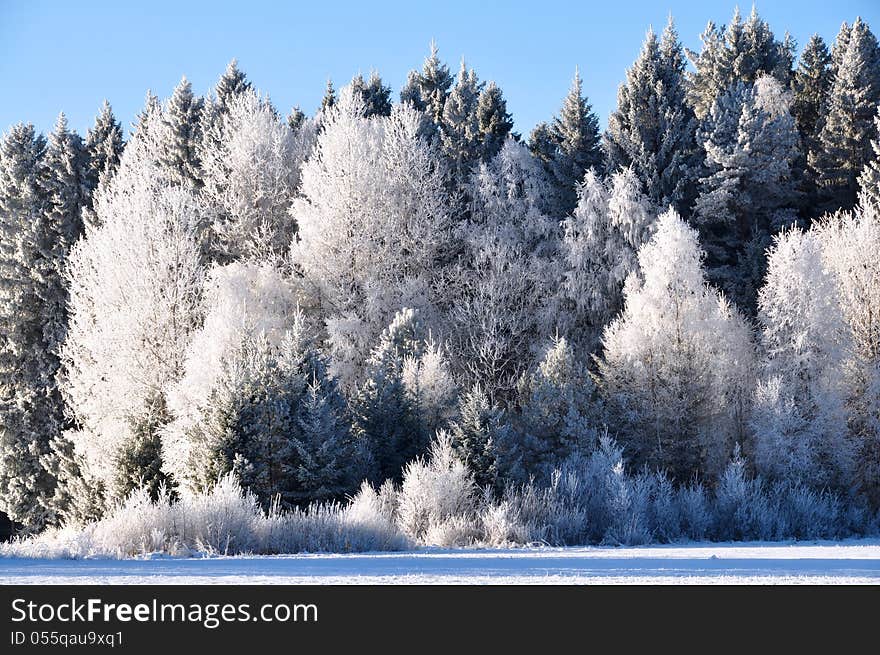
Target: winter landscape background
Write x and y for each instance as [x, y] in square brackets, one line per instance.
[398, 330]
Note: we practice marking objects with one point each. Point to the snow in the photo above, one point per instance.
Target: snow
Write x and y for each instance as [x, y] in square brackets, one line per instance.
[846, 562]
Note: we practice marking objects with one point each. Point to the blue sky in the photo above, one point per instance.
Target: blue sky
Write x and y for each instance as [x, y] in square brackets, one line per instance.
[69, 56]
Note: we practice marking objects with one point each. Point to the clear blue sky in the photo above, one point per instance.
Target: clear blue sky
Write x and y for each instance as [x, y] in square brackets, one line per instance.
[70, 55]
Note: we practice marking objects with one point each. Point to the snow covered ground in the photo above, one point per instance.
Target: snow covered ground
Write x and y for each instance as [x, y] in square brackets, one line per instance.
[847, 562]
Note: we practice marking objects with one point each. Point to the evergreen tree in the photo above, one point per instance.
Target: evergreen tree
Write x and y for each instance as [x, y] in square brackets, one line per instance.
[386, 418]
[428, 89]
[848, 126]
[376, 96]
[576, 146]
[653, 129]
[750, 191]
[475, 436]
[295, 119]
[231, 84]
[151, 106]
[460, 130]
[811, 84]
[30, 412]
[329, 98]
[869, 180]
[493, 120]
[181, 137]
[103, 146]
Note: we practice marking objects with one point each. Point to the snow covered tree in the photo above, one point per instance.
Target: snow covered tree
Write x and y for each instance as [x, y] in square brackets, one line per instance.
[386, 416]
[799, 418]
[231, 84]
[741, 52]
[135, 299]
[427, 90]
[676, 364]
[553, 421]
[848, 125]
[103, 145]
[329, 98]
[374, 219]
[251, 177]
[296, 119]
[493, 120]
[750, 190]
[599, 244]
[869, 180]
[850, 244]
[502, 309]
[811, 84]
[653, 129]
[376, 96]
[576, 145]
[29, 411]
[460, 130]
[475, 436]
[180, 135]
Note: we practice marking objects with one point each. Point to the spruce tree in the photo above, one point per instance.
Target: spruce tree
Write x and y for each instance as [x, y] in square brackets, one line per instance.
[329, 98]
[181, 136]
[434, 83]
[42, 191]
[460, 130]
[653, 129]
[848, 126]
[475, 436]
[811, 85]
[869, 180]
[376, 96]
[103, 146]
[232, 83]
[295, 118]
[493, 120]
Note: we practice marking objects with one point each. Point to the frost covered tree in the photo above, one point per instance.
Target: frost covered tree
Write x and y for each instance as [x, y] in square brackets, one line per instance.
[677, 362]
[427, 90]
[180, 135]
[460, 128]
[475, 435]
[740, 52]
[848, 125]
[103, 145]
[231, 84]
[554, 418]
[406, 395]
[29, 413]
[374, 220]
[811, 84]
[653, 129]
[750, 190]
[274, 418]
[251, 177]
[494, 121]
[503, 305]
[869, 180]
[570, 145]
[376, 96]
[135, 299]
[599, 244]
[799, 418]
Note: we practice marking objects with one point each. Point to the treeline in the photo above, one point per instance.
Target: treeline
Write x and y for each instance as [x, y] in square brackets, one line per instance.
[307, 302]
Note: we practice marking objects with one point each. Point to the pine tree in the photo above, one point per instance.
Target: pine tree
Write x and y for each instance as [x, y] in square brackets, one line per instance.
[811, 85]
[869, 180]
[848, 126]
[231, 84]
[29, 409]
[181, 137]
[577, 147]
[376, 96]
[676, 364]
[475, 436]
[329, 98]
[493, 120]
[653, 129]
[460, 130]
[103, 146]
[386, 419]
[750, 191]
[432, 85]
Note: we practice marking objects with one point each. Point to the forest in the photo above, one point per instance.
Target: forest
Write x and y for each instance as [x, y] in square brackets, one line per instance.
[398, 322]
